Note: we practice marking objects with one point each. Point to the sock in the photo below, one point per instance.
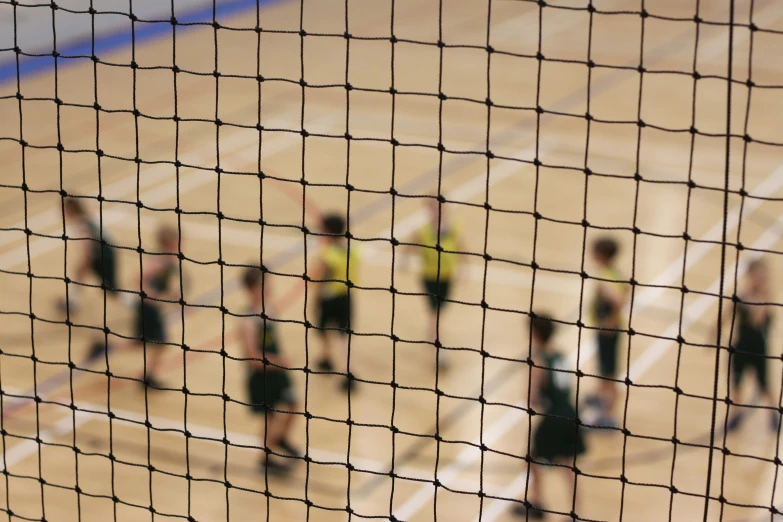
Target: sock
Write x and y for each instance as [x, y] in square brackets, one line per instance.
[126, 298]
[74, 297]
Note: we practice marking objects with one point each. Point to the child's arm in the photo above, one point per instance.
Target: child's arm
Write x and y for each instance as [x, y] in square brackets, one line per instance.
[536, 382]
[615, 294]
[726, 318]
[85, 263]
[277, 361]
[408, 251]
[249, 348]
[317, 273]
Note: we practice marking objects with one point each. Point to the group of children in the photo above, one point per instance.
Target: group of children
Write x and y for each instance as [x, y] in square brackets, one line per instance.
[269, 385]
[99, 260]
[270, 388]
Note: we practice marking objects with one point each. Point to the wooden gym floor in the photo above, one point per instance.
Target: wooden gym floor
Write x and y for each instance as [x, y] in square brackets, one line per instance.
[647, 459]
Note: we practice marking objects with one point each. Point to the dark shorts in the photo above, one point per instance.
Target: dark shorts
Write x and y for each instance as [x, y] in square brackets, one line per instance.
[437, 292]
[557, 438]
[749, 357]
[607, 353]
[149, 322]
[104, 266]
[335, 313]
[267, 390]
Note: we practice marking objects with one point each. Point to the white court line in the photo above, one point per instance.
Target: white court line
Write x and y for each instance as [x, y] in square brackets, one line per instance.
[51, 218]
[24, 449]
[671, 276]
[89, 412]
[464, 192]
[272, 145]
[524, 28]
[465, 458]
[150, 175]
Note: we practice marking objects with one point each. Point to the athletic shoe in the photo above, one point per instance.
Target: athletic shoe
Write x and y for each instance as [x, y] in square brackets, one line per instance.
[605, 422]
[274, 466]
[533, 514]
[594, 401]
[97, 351]
[288, 449]
[348, 384]
[152, 382]
[325, 365]
[734, 422]
[70, 306]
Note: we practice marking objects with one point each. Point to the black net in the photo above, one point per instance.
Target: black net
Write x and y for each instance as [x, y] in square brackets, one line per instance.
[397, 260]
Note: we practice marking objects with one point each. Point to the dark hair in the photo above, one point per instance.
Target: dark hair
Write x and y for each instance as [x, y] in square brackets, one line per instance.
[606, 247]
[167, 234]
[543, 327]
[252, 277]
[333, 224]
[74, 206]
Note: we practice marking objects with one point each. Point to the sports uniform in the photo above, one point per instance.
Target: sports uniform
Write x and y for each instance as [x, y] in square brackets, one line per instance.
[269, 386]
[557, 436]
[335, 305]
[438, 267]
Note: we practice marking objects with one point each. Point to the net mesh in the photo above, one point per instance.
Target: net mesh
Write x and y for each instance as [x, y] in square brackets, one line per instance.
[541, 126]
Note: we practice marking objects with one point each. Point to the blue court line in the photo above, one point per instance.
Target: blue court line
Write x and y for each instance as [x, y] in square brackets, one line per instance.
[79, 51]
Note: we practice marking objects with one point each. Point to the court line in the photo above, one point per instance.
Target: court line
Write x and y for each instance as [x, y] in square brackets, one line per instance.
[110, 41]
[466, 457]
[671, 276]
[202, 434]
[24, 449]
[189, 181]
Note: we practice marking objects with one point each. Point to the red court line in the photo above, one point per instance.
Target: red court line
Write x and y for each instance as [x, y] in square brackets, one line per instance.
[99, 388]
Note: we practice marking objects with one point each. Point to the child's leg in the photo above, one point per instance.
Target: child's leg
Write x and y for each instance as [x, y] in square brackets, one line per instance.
[154, 358]
[569, 477]
[327, 344]
[534, 485]
[608, 391]
[607, 387]
[275, 425]
[735, 413]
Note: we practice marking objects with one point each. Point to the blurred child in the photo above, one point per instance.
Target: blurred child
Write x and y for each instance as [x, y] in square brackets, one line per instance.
[158, 277]
[557, 438]
[438, 268]
[607, 309]
[752, 320]
[337, 264]
[269, 386]
[159, 273]
[97, 259]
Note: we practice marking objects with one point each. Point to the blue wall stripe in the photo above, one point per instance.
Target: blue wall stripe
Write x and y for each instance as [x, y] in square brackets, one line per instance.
[79, 51]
